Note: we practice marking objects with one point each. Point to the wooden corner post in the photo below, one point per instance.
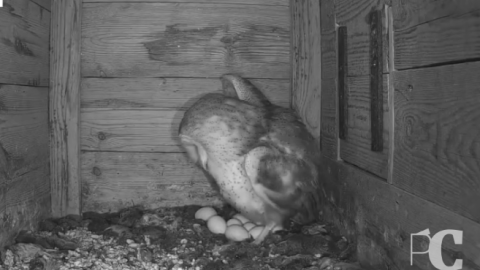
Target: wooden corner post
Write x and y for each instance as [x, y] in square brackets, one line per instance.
[64, 106]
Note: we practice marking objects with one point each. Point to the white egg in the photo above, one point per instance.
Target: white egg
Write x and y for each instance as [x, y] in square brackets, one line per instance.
[217, 225]
[255, 231]
[233, 221]
[205, 213]
[248, 226]
[236, 233]
[241, 218]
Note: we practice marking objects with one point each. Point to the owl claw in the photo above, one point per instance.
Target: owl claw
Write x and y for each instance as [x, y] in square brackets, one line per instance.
[263, 234]
[257, 242]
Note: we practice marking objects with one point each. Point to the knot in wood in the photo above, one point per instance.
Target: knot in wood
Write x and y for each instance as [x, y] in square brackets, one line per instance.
[96, 171]
[409, 123]
[101, 136]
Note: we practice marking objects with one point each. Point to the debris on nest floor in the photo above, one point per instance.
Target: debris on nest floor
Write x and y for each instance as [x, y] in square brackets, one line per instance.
[169, 238]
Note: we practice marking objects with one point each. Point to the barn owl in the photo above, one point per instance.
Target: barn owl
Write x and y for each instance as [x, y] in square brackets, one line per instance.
[259, 156]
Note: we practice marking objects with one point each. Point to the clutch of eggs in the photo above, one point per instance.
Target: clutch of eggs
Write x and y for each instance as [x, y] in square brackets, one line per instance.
[238, 228]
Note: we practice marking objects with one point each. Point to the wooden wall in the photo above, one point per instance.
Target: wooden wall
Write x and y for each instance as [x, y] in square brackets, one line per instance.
[143, 64]
[24, 138]
[306, 62]
[427, 175]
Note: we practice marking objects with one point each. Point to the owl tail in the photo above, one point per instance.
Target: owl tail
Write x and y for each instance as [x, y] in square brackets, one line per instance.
[238, 87]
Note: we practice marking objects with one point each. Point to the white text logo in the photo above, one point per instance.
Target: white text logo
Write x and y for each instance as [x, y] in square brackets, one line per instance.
[435, 248]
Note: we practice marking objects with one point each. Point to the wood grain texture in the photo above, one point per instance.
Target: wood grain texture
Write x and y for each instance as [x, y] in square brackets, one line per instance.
[26, 201]
[185, 40]
[23, 129]
[172, 93]
[329, 143]
[380, 217]
[24, 153]
[329, 55]
[46, 4]
[24, 150]
[328, 40]
[306, 78]
[24, 39]
[356, 148]
[65, 107]
[6, 235]
[437, 142]
[112, 181]
[242, 2]
[451, 38]
[391, 95]
[410, 13]
[130, 130]
[354, 14]
[327, 9]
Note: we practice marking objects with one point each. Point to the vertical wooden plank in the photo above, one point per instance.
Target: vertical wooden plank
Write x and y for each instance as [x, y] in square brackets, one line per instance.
[65, 106]
[327, 17]
[391, 92]
[293, 46]
[307, 63]
[376, 81]
[367, 140]
[329, 142]
[354, 14]
[342, 82]
[357, 148]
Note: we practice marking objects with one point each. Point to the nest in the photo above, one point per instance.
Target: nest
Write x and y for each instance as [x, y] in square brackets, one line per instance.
[170, 238]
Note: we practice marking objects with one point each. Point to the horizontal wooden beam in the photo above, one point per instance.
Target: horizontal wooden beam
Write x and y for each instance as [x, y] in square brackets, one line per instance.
[239, 2]
[114, 180]
[437, 142]
[429, 33]
[24, 43]
[165, 93]
[189, 40]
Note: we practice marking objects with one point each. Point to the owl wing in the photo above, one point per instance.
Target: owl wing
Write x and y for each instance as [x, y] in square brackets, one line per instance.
[237, 87]
[299, 153]
[286, 182]
[283, 168]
